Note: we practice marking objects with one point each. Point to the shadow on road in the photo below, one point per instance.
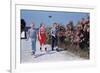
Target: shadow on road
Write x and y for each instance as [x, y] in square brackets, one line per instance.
[48, 52]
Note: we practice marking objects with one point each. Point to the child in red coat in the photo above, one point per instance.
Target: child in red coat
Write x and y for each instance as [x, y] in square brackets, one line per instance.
[42, 36]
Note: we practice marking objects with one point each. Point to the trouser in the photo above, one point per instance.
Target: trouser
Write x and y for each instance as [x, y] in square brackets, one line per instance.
[33, 45]
[54, 42]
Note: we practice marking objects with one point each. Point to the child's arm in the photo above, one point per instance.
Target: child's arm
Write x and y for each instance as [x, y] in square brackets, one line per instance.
[28, 34]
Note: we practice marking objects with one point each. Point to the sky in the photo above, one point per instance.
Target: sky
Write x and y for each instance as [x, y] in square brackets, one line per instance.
[39, 17]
